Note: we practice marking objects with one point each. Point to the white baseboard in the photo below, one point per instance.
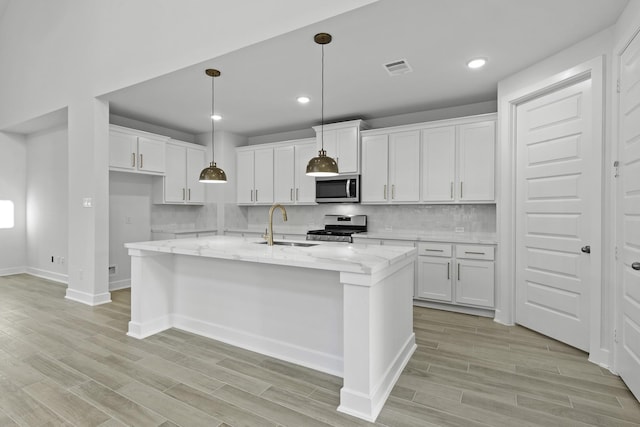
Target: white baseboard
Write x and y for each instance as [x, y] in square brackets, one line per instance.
[455, 308]
[119, 284]
[12, 270]
[49, 275]
[89, 299]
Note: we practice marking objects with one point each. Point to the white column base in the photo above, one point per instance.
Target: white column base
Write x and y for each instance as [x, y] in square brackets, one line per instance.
[88, 299]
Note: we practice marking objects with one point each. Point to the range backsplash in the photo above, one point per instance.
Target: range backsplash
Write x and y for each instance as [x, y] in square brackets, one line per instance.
[474, 218]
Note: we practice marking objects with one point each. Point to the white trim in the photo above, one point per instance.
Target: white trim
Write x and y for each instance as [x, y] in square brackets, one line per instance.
[505, 280]
[119, 284]
[13, 270]
[475, 311]
[89, 299]
[49, 275]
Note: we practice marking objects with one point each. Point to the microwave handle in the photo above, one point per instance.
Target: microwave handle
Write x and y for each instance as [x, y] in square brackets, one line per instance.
[348, 188]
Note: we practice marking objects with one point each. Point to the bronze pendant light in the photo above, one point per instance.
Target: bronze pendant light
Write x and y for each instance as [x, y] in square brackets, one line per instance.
[212, 174]
[322, 165]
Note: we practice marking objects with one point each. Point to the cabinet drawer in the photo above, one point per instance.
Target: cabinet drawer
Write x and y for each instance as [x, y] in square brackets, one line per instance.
[475, 252]
[434, 249]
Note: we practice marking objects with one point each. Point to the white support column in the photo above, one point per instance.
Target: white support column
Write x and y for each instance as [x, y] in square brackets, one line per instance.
[88, 252]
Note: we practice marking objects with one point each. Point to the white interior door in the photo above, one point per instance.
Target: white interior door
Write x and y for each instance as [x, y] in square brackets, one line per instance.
[628, 220]
[554, 205]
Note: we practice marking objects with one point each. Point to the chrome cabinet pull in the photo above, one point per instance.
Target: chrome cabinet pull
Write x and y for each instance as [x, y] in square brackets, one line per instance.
[141, 164]
[385, 191]
[461, 189]
[189, 194]
[348, 188]
[474, 253]
[636, 265]
[448, 270]
[133, 160]
[451, 190]
[297, 194]
[252, 195]
[393, 191]
[291, 194]
[183, 194]
[434, 250]
[256, 194]
[458, 271]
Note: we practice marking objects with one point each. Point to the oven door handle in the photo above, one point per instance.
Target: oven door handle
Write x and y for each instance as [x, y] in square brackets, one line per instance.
[348, 188]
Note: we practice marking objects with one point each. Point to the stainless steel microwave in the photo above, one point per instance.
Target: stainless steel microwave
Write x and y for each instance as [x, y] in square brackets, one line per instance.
[338, 189]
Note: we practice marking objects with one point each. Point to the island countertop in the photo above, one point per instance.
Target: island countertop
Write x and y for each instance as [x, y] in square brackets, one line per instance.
[342, 257]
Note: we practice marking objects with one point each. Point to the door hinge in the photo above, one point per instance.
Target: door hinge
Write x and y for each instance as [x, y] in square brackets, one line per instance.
[618, 85]
[616, 165]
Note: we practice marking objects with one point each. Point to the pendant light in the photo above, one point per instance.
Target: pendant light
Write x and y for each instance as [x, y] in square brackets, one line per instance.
[212, 174]
[322, 165]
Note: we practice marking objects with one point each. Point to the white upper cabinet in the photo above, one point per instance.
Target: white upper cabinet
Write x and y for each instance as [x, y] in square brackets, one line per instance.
[255, 175]
[476, 161]
[180, 184]
[342, 143]
[135, 151]
[391, 167]
[375, 169]
[291, 184]
[439, 164]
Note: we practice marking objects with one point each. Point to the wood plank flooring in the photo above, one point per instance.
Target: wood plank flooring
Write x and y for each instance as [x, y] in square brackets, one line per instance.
[64, 363]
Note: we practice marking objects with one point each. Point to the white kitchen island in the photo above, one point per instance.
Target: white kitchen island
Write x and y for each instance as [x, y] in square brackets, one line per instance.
[344, 309]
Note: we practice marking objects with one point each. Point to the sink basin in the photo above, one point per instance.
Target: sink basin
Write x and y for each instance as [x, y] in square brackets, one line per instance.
[300, 244]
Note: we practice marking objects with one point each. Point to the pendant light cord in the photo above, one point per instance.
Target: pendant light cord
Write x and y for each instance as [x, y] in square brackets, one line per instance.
[322, 100]
[213, 122]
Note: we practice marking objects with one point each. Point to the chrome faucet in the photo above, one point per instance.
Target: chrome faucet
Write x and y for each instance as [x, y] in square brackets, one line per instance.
[269, 235]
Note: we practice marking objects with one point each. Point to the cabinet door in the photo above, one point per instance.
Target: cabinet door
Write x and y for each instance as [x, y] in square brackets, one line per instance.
[151, 155]
[374, 179]
[348, 153]
[404, 166]
[244, 179]
[438, 164]
[305, 186]
[434, 278]
[283, 174]
[175, 190]
[475, 282]
[476, 160]
[263, 176]
[330, 144]
[196, 161]
[122, 150]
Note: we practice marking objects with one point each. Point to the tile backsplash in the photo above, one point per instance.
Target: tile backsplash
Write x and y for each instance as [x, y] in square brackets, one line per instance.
[473, 218]
[180, 216]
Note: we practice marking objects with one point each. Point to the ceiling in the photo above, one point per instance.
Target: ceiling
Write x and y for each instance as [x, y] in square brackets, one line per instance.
[256, 93]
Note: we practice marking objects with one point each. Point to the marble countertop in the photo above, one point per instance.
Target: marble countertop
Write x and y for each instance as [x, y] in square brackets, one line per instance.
[444, 236]
[342, 257]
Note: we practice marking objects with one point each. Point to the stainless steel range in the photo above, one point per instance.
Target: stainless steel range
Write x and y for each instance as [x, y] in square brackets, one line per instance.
[339, 228]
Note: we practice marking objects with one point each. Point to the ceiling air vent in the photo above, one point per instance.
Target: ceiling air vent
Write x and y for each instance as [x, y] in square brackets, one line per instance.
[396, 68]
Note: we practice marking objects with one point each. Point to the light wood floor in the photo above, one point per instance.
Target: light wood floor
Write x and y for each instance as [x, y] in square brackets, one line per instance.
[63, 363]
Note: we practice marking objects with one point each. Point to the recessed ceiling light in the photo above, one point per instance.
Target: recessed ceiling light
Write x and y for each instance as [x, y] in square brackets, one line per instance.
[303, 99]
[216, 117]
[476, 63]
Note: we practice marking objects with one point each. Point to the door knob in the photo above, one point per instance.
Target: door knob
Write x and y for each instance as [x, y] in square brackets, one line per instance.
[586, 249]
[636, 265]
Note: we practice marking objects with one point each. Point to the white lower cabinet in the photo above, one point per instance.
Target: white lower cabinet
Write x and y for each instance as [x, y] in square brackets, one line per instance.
[456, 273]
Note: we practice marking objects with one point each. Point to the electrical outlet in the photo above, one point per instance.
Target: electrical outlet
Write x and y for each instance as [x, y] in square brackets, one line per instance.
[112, 269]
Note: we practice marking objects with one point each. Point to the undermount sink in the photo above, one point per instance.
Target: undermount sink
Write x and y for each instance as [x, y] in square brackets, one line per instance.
[300, 244]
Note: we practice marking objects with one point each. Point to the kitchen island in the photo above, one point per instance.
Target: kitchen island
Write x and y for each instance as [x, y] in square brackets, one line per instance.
[344, 309]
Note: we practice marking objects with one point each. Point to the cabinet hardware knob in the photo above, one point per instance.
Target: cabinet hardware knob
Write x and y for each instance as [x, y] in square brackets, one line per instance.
[133, 160]
[393, 191]
[586, 249]
[451, 190]
[448, 270]
[434, 250]
[385, 192]
[461, 189]
[291, 194]
[458, 271]
[252, 195]
[141, 163]
[256, 194]
[189, 194]
[636, 265]
[183, 194]
[474, 253]
[297, 194]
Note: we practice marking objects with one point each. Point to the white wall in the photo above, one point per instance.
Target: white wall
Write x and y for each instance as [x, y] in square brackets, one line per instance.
[13, 186]
[129, 221]
[46, 205]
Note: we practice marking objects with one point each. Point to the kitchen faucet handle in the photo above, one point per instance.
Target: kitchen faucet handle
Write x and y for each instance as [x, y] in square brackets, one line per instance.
[265, 236]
